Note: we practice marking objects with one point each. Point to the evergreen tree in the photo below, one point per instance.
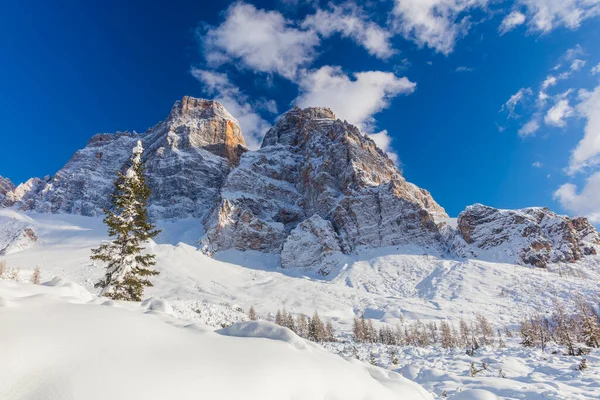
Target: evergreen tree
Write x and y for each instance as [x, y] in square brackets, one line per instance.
[252, 314]
[128, 269]
[316, 329]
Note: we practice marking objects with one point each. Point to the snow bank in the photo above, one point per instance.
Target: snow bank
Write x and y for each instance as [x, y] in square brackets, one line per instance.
[52, 348]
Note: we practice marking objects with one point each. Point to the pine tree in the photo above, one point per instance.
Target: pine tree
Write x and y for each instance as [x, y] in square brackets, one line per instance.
[36, 277]
[252, 314]
[316, 329]
[302, 326]
[128, 269]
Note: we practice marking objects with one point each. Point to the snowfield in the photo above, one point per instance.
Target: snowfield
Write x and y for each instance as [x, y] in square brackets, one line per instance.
[60, 341]
[55, 344]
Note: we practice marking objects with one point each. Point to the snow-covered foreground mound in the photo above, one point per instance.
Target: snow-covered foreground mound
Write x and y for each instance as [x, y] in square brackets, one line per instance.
[56, 344]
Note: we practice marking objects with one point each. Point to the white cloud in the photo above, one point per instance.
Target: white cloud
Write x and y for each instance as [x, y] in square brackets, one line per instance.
[586, 202]
[511, 21]
[437, 24]
[549, 81]
[355, 100]
[595, 70]
[514, 101]
[545, 15]
[530, 127]
[577, 64]
[350, 21]
[384, 141]
[537, 164]
[218, 85]
[263, 41]
[464, 69]
[587, 151]
[558, 113]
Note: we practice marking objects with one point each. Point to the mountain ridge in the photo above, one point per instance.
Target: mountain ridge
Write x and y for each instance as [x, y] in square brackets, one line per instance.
[316, 183]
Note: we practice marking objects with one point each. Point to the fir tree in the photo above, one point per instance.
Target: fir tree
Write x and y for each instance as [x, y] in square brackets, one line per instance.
[252, 314]
[128, 269]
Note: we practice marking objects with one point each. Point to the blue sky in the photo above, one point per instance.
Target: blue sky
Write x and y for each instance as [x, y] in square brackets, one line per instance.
[431, 82]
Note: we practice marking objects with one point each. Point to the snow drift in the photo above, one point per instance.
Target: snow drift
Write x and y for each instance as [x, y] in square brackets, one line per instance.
[55, 344]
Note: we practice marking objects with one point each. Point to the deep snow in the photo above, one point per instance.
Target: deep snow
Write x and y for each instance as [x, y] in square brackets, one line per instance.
[387, 284]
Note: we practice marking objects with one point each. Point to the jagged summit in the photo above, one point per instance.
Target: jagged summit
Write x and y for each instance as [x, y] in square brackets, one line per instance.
[188, 156]
[312, 163]
[534, 236]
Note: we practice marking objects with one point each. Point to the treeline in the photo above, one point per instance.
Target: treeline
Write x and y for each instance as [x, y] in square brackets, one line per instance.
[306, 327]
[577, 330]
[470, 336]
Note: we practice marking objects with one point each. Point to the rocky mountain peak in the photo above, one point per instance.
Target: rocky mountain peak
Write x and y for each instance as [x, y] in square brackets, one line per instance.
[313, 164]
[201, 124]
[534, 236]
[5, 186]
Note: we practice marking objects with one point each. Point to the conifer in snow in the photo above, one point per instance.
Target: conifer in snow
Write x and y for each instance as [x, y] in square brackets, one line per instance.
[252, 314]
[127, 269]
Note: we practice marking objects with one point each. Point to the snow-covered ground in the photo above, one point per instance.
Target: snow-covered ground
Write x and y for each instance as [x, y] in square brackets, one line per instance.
[56, 344]
[388, 285]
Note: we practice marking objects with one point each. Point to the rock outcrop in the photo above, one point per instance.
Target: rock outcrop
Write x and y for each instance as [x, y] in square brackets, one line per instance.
[6, 186]
[187, 159]
[16, 235]
[312, 163]
[313, 245]
[530, 236]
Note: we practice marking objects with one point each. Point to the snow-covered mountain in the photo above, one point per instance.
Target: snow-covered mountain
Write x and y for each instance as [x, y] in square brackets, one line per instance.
[534, 236]
[316, 191]
[188, 157]
[313, 164]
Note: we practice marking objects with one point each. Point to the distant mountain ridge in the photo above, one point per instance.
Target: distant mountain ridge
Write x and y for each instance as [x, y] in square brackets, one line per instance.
[316, 189]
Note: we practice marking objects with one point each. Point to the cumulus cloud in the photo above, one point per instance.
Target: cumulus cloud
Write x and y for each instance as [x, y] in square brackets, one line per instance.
[511, 21]
[595, 70]
[577, 64]
[558, 113]
[530, 127]
[237, 103]
[437, 24]
[350, 21]
[354, 99]
[537, 164]
[586, 202]
[587, 151]
[546, 15]
[263, 41]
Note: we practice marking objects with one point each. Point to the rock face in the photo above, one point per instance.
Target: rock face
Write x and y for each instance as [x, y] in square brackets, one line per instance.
[6, 186]
[187, 159]
[311, 164]
[531, 236]
[312, 245]
[15, 235]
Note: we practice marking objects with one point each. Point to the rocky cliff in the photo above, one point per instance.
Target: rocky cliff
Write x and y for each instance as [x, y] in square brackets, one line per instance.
[187, 159]
[6, 186]
[532, 236]
[312, 163]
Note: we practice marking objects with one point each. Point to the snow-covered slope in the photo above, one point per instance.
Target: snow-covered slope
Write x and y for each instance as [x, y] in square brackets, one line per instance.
[56, 344]
[388, 285]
